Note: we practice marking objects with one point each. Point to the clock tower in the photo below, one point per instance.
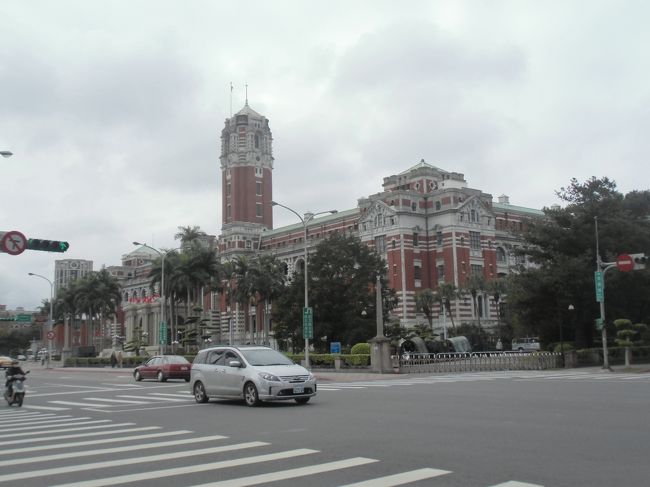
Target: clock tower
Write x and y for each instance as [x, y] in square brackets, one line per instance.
[246, 180]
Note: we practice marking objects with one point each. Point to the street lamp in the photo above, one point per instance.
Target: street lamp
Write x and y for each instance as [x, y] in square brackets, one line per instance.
[6, 153]
[305, 221]
[49, 321]
[162, 290]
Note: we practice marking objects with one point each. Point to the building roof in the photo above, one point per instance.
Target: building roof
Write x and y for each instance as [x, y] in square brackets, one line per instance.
[421, 165]
[339, 215]
[518, 209]
[247, 110]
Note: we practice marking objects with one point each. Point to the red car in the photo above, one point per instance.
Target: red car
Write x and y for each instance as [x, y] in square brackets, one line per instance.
[163, 367]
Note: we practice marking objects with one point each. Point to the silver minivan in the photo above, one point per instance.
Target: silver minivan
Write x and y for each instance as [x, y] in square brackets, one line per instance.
[252, 372]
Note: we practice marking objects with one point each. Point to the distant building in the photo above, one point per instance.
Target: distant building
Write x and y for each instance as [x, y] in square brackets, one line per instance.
[69, 270]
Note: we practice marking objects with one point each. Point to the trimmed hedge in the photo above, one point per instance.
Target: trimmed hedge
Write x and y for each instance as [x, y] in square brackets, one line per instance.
[594, 356]
[326, 360]
[127, 361]
[360, 349]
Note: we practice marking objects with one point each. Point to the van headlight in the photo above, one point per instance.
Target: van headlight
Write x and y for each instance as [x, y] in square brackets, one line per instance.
[269, 377]
[311, 377]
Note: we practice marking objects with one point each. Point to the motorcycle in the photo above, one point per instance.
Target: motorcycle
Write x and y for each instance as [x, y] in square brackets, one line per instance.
[15, 392]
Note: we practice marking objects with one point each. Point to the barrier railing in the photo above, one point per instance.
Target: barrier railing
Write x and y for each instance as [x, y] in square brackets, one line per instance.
[478, 361]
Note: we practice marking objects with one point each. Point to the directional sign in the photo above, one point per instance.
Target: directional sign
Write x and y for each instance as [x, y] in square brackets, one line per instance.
[600, 286]
[163, 332]
[23, 318]
[308, 322]
[13, 242]
[625, 263]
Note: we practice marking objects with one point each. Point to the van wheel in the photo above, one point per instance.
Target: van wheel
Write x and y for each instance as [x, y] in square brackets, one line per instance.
[200, 395]
[251, 396]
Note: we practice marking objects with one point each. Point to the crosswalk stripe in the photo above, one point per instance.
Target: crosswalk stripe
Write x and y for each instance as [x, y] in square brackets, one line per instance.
[28, 416]
[46, 408]
[178, 394]
[21, 413]
[49, 432]
[104, 451]
[514, 483]
[237, 462]
[71, 403]
[167, 399]
[44, 427]
[120, 385]
[129, 461]
[116, 401]
[102, 441]
[401, 478]
[291, 473]
[79, 435]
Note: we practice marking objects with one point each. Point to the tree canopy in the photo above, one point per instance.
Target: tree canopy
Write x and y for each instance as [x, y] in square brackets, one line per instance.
[563, 247]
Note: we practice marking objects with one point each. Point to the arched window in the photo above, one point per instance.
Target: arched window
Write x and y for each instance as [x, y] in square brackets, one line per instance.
[501, 255]
[257, 141]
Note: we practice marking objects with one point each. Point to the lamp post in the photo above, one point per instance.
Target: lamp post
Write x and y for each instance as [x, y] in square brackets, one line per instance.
[305, 221]
[49, 321]
[162, 290]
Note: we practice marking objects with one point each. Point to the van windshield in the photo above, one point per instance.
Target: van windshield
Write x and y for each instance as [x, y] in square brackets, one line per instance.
[265, 357]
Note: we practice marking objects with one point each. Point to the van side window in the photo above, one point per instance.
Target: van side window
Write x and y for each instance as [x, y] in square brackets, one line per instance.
[215, 357]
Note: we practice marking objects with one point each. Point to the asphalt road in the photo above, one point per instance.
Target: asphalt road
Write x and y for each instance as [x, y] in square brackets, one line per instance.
[508, 429]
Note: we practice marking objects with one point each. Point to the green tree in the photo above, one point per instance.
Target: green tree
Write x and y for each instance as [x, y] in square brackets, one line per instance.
[562, 248]
[627, 335]
[425, 302]
[342, 276]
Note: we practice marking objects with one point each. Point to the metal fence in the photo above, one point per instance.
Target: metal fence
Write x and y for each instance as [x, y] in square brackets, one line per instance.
[478, 361]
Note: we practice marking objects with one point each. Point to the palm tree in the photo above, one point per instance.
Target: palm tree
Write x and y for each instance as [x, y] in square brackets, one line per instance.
[497, 287]
[425, 301]
[244, 284]
[475, 286]
[446, 293]
[268, 279]
[189, 235]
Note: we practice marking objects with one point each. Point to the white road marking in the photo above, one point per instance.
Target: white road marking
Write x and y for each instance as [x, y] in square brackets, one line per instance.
[79, 435]
[45, 428]
[291, 473]
[189, 469]
[102, 441]
[28, 416]
[70, 403]
[34, 433]
[168, 399]
[514, 483]
[104, 451]
[401, 478]
[178, 394]
[47, 408]
[117, 401]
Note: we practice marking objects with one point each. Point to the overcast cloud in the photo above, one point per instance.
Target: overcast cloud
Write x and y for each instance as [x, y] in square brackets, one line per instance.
[113, 109]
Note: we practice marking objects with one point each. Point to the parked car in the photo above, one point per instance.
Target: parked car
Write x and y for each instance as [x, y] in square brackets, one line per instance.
[527, 344]
[163, 367]
[5, 361]
[254, 373]
[21, 357]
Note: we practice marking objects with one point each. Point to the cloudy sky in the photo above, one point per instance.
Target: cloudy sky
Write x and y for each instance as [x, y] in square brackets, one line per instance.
[113, 109]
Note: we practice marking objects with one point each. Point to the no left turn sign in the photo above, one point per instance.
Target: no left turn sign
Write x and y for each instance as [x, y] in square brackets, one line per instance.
[50, 335]
[13, 242]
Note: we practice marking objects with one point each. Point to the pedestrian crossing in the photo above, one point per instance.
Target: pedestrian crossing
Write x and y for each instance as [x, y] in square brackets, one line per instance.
[124, 453]
[524, 376]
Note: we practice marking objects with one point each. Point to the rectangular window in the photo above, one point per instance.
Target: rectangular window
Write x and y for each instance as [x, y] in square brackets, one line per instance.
[417, 272]
[228, 189]
[416, 240]
[439, 238]
[475, 240]
[258, 210]
[258, 188]
[380, 244]
[477, 270]
[228, 212]
[441, 272]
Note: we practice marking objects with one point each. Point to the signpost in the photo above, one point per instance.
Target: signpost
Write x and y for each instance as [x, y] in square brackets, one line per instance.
[600, 286]
[163, 332]
[308, 323]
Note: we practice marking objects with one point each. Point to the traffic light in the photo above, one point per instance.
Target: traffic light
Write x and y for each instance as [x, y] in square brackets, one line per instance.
[640, 260]
[47, 245]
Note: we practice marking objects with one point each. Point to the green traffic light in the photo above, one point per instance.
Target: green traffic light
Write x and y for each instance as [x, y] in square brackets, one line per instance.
[47, 245]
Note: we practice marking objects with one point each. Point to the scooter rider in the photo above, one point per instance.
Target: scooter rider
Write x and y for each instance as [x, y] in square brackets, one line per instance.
[13, 369]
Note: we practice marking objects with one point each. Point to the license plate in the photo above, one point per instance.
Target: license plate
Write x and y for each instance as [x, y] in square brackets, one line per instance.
[298, 390]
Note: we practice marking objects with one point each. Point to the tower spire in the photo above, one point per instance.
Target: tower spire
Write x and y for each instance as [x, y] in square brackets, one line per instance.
[246, 94]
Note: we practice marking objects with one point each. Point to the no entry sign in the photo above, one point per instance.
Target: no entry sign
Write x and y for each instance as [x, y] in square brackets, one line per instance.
[625, 263]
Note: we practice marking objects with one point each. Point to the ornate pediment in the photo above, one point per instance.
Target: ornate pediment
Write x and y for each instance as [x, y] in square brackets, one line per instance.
[475, 211]
[378, 215]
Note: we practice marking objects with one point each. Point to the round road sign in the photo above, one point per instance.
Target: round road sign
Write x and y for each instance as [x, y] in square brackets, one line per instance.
[13, 242]
[50, 335]
[625, 263]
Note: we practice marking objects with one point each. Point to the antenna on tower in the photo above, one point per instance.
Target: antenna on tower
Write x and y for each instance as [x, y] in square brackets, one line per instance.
[231, 99]
[246, 94]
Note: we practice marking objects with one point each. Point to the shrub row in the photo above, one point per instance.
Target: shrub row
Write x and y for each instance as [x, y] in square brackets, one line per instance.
[326, 360]
[594, 356]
